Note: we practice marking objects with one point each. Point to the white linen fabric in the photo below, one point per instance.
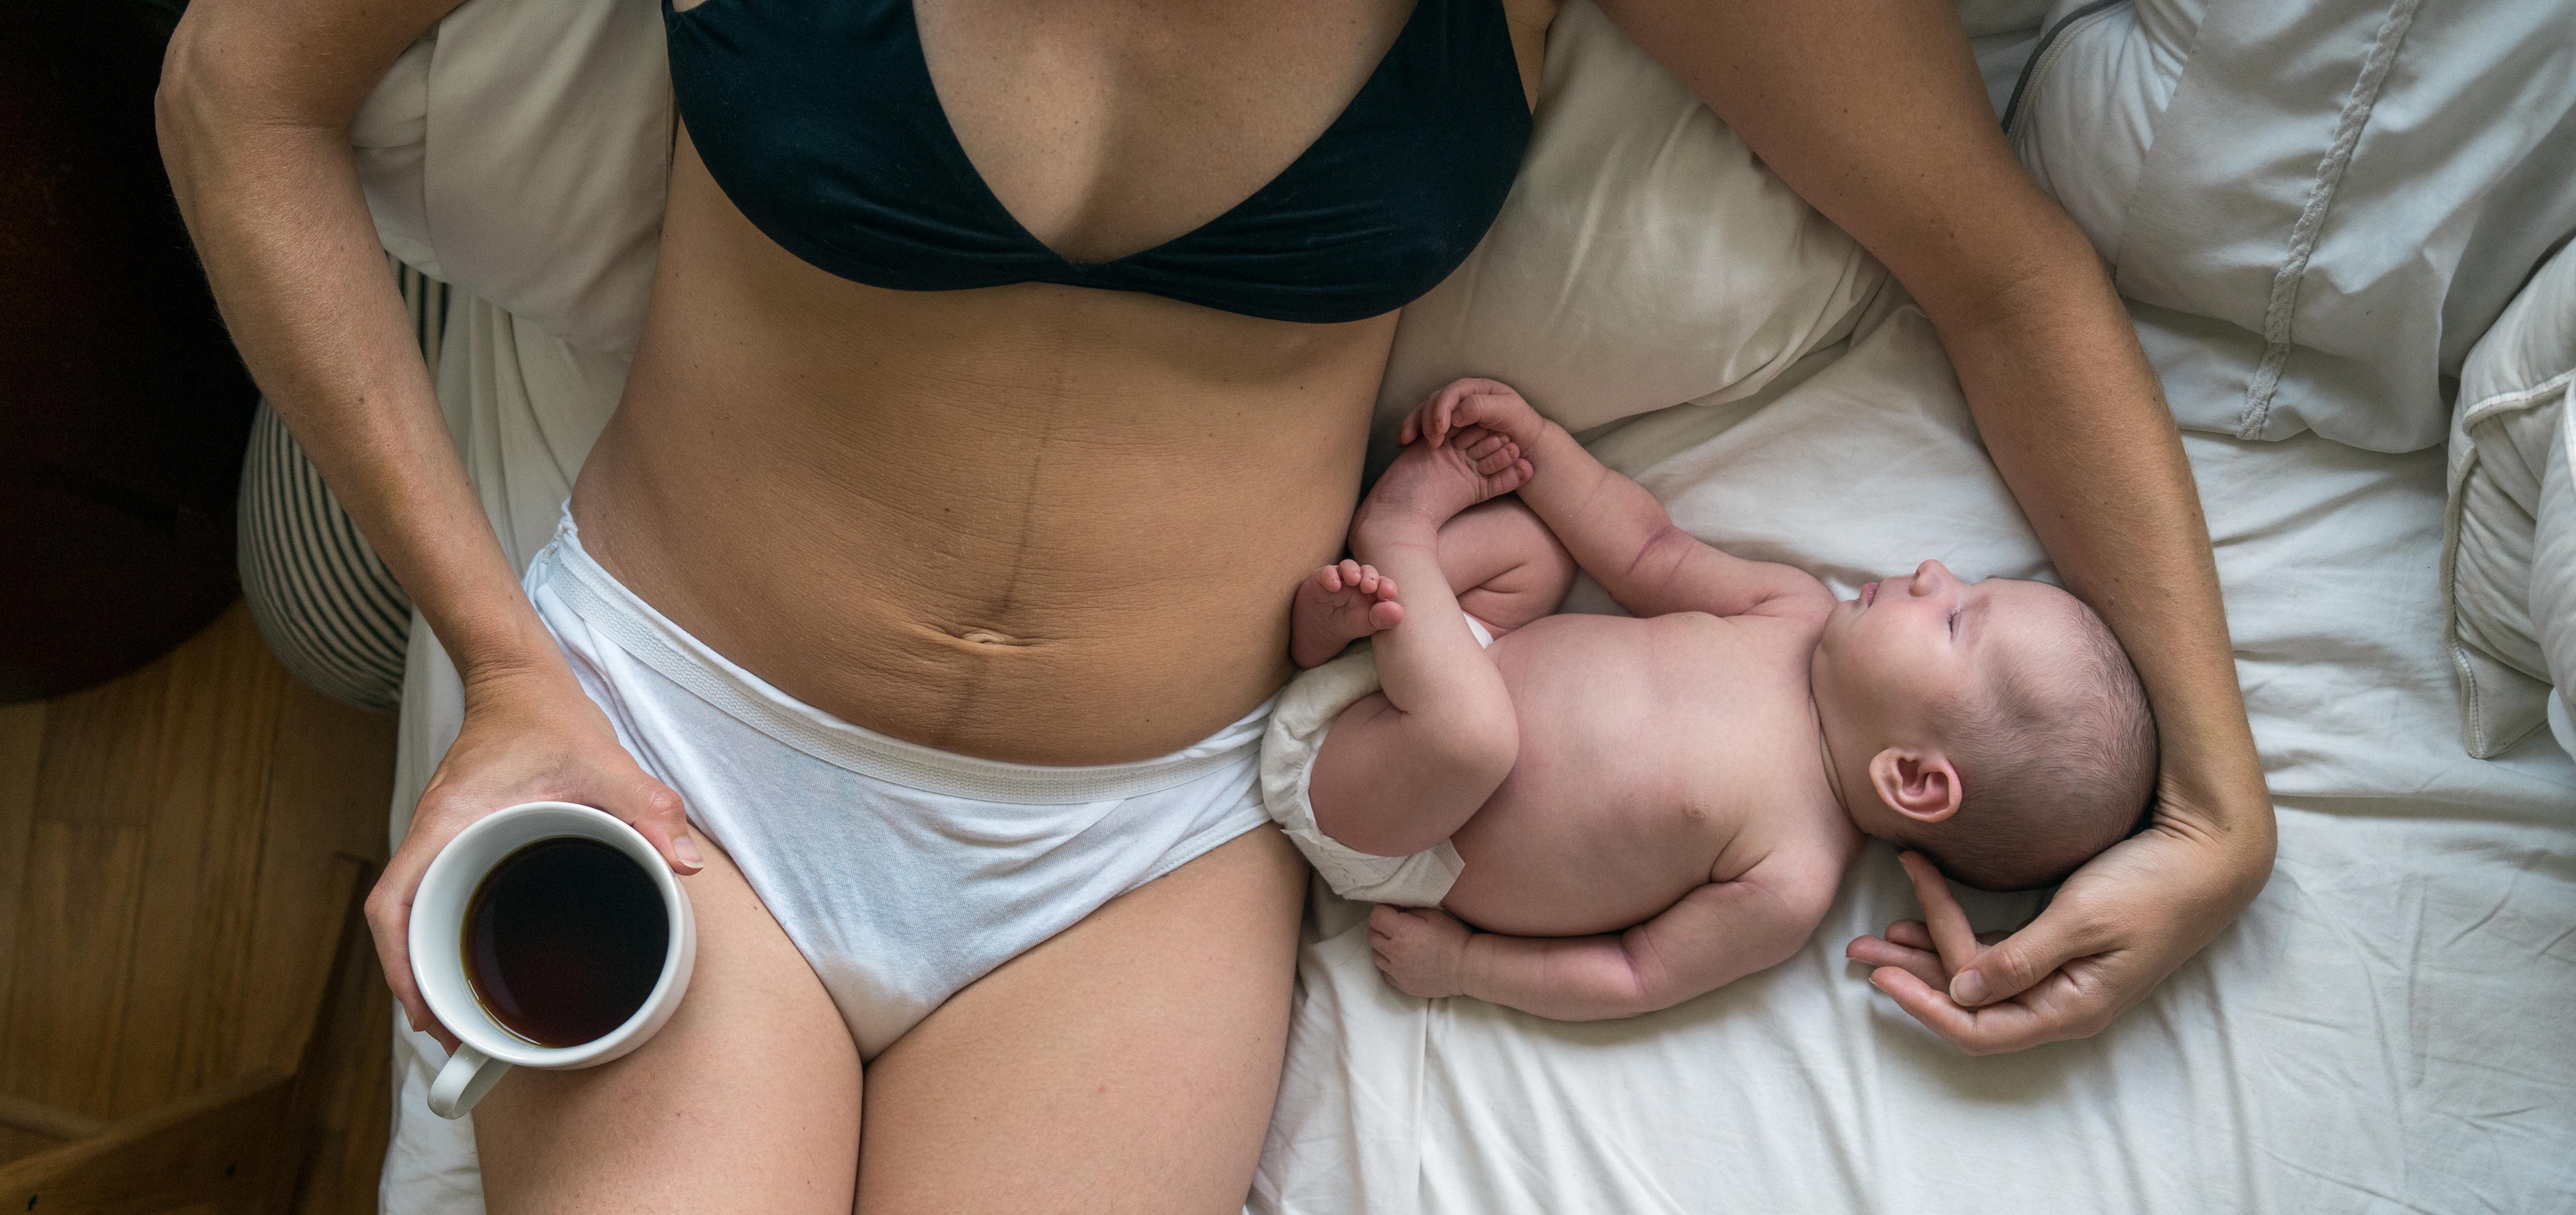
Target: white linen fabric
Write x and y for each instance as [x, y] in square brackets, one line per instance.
[1638, 225]
[520, 151]
[2509, 551]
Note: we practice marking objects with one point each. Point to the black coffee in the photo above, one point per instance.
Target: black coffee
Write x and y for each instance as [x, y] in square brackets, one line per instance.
[564, 940]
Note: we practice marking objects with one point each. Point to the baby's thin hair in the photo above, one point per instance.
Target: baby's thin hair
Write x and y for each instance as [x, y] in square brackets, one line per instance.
[2056, 763]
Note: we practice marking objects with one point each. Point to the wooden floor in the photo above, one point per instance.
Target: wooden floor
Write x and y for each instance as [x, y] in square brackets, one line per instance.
[169, 845]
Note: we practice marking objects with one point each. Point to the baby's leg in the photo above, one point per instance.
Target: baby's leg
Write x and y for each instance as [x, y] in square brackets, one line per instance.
[1404, 768]
[1505, 566]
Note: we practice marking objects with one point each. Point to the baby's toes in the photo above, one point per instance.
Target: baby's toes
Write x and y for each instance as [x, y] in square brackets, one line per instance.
[1385, 587]
[1385, 614]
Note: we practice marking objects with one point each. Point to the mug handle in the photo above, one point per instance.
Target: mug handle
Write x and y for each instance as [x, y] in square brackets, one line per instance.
[461, 1084]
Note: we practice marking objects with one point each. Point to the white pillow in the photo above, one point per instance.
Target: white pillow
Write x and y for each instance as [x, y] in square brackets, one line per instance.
[521, 150]
[2315, 207]
[1644, 257]
[2509, 547]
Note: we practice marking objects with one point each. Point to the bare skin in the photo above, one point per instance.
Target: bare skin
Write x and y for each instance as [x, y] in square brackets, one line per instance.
[1665, 802]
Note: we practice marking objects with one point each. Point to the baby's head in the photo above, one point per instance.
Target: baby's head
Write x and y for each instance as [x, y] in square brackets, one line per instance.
[1996, 726]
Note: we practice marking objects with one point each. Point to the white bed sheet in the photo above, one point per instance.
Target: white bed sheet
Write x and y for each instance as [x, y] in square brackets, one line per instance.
[2386, 1029]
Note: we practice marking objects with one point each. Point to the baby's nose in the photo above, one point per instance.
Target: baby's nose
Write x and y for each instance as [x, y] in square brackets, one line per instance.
[1929, 577]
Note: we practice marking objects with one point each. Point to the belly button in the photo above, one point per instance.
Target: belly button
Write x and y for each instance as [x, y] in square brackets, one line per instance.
[988, 637]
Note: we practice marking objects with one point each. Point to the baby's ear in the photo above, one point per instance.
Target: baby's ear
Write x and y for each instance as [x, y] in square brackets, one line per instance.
[1918, 783]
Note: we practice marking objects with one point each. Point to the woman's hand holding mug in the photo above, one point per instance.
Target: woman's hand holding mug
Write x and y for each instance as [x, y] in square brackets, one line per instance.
[526, 737]
[546, 935]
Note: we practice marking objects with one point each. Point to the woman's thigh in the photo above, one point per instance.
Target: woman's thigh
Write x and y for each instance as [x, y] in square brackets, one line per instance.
[1127, 1064]
[747, 1100]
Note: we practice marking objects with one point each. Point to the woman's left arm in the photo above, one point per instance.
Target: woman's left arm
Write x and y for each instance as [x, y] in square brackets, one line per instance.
[1872, 110]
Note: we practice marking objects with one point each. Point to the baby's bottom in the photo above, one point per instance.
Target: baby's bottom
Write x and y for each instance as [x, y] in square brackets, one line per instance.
[1376, 757]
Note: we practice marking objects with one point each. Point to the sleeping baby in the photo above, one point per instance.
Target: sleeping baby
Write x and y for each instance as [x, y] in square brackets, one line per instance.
[1639, 810]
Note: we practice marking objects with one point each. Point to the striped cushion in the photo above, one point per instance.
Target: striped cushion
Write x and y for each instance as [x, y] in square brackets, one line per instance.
[324, 601]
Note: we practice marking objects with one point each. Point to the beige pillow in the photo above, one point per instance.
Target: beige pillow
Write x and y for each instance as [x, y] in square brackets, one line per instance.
[520, 150]
[2509, 545]
[1644, 258]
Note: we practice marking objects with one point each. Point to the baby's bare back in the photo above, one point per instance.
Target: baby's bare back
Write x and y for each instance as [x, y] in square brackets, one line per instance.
[1655, 756]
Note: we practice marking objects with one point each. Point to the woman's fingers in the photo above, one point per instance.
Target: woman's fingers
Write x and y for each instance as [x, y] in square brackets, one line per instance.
[1978, 1031]
[656, 812]
[1878, 952]
[389, 922]
[2019, 961]
[1910, 933]
[2060, 1007]
[1952, 935]
[388, 910]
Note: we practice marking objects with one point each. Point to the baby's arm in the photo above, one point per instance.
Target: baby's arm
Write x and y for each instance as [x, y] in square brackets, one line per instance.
[1616, 530]
[1717, 934]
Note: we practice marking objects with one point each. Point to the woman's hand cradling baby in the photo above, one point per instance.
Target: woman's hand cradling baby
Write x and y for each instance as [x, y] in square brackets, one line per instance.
[1932, 949]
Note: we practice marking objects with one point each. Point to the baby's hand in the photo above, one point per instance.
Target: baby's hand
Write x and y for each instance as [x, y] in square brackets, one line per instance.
[1422, 950]
[1475, 402]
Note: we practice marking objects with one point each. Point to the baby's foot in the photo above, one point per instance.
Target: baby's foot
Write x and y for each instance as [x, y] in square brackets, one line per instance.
[1475, 464]
[1337, 605]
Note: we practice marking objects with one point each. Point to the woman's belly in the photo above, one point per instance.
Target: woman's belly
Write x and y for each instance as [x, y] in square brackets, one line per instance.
[1033, 523]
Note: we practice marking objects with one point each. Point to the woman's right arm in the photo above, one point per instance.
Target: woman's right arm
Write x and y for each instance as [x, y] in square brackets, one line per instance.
[254, 108]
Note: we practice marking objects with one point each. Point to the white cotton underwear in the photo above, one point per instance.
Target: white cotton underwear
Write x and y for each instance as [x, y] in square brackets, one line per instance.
[901, 872]
[1305, 712]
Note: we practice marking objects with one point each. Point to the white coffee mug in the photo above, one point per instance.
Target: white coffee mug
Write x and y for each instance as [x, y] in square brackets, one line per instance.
[485, 1049]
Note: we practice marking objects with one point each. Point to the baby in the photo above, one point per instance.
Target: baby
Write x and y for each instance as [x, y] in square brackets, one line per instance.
[1637, 811]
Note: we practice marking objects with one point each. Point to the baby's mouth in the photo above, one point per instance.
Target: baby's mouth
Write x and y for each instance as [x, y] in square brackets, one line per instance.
[1868, 592]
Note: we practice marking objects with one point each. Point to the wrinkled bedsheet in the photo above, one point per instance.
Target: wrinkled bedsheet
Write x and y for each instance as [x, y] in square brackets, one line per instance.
[2386, 1029]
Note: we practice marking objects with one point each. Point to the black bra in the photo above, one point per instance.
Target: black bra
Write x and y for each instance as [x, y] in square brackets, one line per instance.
[818, 119]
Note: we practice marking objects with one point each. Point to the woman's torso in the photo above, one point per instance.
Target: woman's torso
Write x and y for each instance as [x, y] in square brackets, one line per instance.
[1656, 756]
[1032, 522]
